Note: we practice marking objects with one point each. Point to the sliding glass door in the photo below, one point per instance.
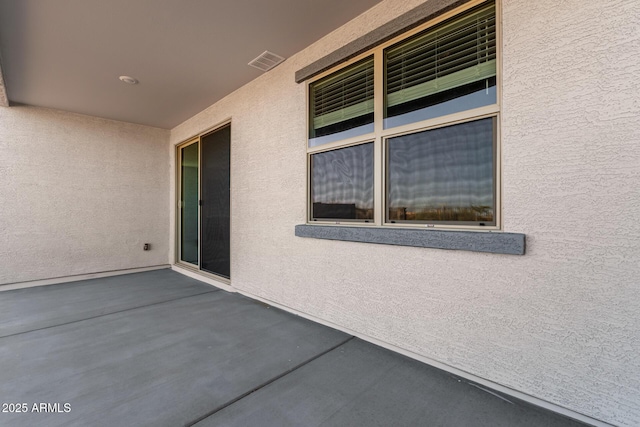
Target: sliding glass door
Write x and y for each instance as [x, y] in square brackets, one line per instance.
[215, 207]
[204, 202]
[189, 196]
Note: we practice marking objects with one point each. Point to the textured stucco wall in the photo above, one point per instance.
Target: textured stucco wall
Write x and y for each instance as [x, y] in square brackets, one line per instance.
[79, 194]
[562, 322]
[4, 101]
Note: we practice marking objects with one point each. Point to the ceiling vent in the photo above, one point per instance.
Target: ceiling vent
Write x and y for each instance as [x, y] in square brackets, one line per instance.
[266, 61]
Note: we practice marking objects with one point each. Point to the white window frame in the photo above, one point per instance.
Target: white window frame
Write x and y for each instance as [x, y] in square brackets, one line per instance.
[380, 135]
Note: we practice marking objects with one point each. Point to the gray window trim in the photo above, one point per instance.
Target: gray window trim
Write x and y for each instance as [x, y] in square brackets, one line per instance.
[403, 23]
[490, 242]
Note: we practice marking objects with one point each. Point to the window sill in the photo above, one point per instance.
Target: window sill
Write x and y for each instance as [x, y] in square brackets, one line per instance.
[475, 241]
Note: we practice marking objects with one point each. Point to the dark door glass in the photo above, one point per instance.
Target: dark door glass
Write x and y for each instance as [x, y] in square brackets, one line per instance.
[215, 209]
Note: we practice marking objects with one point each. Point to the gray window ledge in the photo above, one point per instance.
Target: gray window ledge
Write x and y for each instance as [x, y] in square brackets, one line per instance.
[491, 242]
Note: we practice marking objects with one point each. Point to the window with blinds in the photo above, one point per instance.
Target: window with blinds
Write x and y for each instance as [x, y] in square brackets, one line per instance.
[341, 104]
[431, 158]
[444, 70]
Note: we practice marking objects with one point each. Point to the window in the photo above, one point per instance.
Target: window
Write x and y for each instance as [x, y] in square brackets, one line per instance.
[443, 175]
[341, 104]
[342, 183]
[407, 133]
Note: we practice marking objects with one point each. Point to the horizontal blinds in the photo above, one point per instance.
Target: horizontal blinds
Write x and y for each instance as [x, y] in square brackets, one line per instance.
[343, 96]
[454, 54]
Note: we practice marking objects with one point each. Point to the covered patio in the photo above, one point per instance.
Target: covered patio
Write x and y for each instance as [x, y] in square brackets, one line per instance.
[160, 349]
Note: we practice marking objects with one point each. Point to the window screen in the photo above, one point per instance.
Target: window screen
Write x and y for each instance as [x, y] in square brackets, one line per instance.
[443, 175]
[342, 183]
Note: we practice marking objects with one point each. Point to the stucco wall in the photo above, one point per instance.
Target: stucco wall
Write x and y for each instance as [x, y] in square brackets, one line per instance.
[561, 323]
[79, 194]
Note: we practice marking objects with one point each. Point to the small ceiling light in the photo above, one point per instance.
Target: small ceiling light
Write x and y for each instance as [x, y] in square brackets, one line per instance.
[128, 80]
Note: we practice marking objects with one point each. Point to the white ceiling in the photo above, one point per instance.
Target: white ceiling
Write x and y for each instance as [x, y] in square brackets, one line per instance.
[187, 54]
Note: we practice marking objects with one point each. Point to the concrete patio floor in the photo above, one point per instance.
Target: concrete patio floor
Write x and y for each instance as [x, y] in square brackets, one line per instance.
[161, 349]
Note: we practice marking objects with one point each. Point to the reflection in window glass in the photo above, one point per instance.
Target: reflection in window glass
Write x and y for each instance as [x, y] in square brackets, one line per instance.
[342, 183]
[443, 175]
[464, 98]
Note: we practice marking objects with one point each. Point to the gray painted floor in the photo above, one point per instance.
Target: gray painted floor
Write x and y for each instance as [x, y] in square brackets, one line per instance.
[33, 308]
[161, 349]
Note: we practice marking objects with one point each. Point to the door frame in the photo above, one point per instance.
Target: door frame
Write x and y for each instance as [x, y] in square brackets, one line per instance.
[178, 233]
[178, 192]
